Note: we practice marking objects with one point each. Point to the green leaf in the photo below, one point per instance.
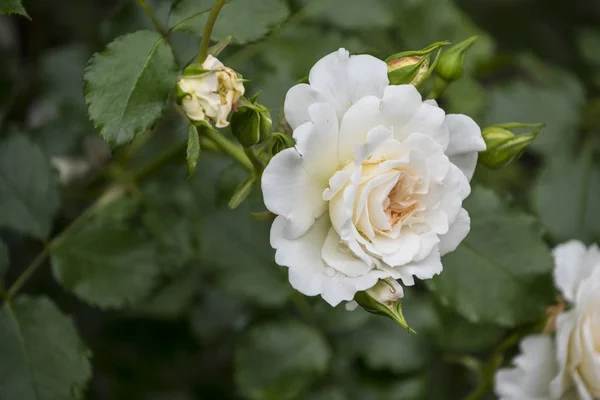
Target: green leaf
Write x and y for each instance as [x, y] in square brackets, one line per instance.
[29, 196]
[500, 272]
[172, 300]
[414, 388]
[353, 14]
[193, 148]
[127, 85]
[218, 314]
[588, 42]
[236, 245]
[382, 344]
[242, 192]
[42, 355]
[4, 261]
[278, 361]
[107, 264]
[244, 20]
[8, 7]
[457, 335]
[566, 196]
[554, 98]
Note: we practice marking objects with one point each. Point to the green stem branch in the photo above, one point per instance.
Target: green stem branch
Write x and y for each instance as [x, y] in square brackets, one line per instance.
[153, 18]
[258, 165]
[210, 23]
[41, 257]
[228, 148]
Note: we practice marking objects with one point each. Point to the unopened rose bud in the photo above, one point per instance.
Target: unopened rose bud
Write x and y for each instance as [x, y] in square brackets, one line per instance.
[503, 147]
[411, 67]
[451, 62]
[384, 299]
[208, 92]
[251, 124]
[280, 141]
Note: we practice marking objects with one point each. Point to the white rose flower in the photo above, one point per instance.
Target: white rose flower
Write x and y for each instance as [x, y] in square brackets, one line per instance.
[534, 368]
[577, 275]
[211, 95]
[374, 186]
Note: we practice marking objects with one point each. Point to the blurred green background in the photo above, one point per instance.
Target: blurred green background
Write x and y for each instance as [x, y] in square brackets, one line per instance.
[208, 314]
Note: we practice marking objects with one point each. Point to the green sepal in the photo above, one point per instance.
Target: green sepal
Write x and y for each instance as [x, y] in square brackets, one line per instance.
[417, 53]
[194, 70]
[193, 149]
[217, 48]
[393, 311]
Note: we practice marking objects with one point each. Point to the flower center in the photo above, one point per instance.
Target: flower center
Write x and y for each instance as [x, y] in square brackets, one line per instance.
[399, 205]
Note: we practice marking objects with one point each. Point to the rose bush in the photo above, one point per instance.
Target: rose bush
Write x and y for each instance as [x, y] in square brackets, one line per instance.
[374, 186]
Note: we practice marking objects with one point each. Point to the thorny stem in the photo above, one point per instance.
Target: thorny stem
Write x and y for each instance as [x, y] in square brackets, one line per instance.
[212, 18]
[153, 18]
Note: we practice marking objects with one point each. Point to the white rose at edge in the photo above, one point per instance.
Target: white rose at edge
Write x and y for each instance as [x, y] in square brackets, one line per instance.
[374, 186]
[533, 370]
[577, 275]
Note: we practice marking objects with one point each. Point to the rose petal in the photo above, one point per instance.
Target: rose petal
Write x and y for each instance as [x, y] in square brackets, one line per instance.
[289, 191]
[337, 255]
[465, 142]
[343, 79]
[457, 232]
[307, 271]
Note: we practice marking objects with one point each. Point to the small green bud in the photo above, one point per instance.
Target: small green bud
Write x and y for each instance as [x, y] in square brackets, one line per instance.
[252, 123]
[411, 67]
[280, 141]
[384, 299]
[451, 63]
[503, 146]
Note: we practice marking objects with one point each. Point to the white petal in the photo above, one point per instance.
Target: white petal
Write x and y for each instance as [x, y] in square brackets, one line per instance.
[427, 120]
[289, 191]
[535, 368]
[317, 142]
[466, 163]
[465, 135]
[375, 138]
[570, 269]
[297, 101]
[307, 271]
[211, 62]
[456, 234]
[337, 255]
[565, 324]
[465, 142]
[336, 183]
[399, 105]
[424, 269]
[344, 79]
[356, 123]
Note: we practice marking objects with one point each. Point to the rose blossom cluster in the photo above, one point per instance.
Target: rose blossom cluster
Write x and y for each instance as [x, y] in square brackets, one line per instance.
[566, 365]
[373, 188]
